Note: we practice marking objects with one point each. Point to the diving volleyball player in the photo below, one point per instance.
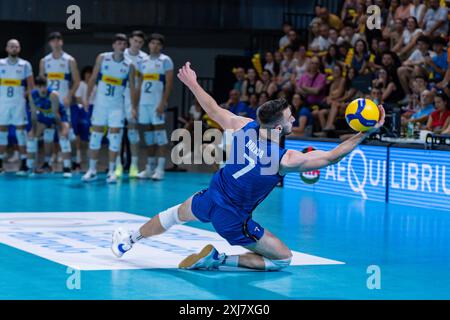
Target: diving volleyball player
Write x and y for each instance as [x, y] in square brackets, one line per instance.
[240, 186]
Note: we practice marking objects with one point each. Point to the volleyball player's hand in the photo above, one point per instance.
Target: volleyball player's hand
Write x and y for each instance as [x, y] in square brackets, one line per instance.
[380, 122]
[187, 75]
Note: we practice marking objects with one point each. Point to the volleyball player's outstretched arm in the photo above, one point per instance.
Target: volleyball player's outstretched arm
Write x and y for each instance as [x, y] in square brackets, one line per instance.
[225, 118]
[295, 161]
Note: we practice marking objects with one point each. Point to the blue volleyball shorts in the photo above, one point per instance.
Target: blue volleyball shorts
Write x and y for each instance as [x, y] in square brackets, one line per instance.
[237, 228]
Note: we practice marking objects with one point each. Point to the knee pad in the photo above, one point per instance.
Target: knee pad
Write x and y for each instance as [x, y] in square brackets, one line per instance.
[65, 145]
[276, 265]
[161, 137]
[3, 138]
[49, 135]
[149, 138]
[21, 137]
[95, 142]
[133, 136]
[170, 217]
[32, 145]
[114, 141]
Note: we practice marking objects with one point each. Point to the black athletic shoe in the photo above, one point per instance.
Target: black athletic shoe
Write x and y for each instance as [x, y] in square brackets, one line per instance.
[76, 166]
[23, 170]
[46, 167]
[67, 173]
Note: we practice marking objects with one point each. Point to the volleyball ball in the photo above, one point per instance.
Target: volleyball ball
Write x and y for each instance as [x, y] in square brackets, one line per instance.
[362, 114]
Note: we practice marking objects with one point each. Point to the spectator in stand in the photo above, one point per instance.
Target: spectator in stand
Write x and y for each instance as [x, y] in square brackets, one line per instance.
[331, 58]
[415, 62]
[444, 84]
[195, 114]
[333, 37]
[396, 35]
[312, 83]
[287, 68]
[404, 10]
[330, 19]
[234, 104]
[284, 41]
[294, 41]
[252, 106]
[321, 42]
[304, 120]
[268, 85]
[390, 22]
[360, 60]
[435, 22]
[350, 92]
[349, 35]
[410, 34]
[418, 10]
[438, 64]
[301, 65]
[375, 95]
[348, 9]
[314, 36]
[440, 118]
[328, 109]
[384, 11]
[240, 78]
[270, 64]
[422, 113]
[263, 98]
[251, 85]
[385, 83]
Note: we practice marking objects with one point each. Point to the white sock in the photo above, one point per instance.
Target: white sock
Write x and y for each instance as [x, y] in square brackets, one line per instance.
[161, 163]
[112, 166]
[134, 161]
[118, 161]
[151, 163]
[135, 237]
[93, 165]
[231, 261]
[30, 163]
[23, 156]
[66, 163]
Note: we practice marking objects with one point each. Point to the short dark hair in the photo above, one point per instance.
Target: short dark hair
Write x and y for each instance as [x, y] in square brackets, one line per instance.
[120, 37]
[271, 112]
[157, 36]
[86, 69]
[424, 39]
[55, 35]
[439, 40]
[443, 96]
[138, 33]
[40, 81]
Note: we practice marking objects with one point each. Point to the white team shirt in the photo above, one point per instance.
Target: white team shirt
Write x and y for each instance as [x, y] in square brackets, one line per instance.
[112, 80]
[13, 81]
[136, 60]
[153, 71]
[57, 71]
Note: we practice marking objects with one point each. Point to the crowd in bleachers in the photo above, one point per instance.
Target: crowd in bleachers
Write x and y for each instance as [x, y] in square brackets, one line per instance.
[403, 65]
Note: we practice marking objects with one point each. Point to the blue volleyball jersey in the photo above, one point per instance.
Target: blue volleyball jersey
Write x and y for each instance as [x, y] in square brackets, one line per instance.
[44, 105]
[250, 173]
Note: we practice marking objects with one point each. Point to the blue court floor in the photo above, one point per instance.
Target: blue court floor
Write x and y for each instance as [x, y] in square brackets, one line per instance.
[410, 246]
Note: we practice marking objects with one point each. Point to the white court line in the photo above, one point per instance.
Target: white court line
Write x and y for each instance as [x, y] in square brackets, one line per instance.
[81, 240]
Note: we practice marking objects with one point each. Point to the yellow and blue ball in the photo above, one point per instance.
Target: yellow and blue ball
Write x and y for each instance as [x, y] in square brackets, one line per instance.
[362, 114]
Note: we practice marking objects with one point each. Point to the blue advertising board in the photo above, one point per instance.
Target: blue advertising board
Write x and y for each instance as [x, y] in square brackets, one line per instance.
[419, 177]
[406, 176]
[362, 174]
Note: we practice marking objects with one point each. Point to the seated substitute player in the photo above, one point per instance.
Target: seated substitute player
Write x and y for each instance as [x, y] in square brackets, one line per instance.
[16, 76]
[240, 186]
[47, 115]
[113, 70]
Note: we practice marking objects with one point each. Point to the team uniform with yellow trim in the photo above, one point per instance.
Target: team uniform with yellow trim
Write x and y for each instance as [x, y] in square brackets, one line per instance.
[12, 91]
[153, 71]
[109, 99]
[136, 59]
[59, 76]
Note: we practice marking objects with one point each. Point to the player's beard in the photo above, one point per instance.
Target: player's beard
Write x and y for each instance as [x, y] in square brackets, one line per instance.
[14, 55]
